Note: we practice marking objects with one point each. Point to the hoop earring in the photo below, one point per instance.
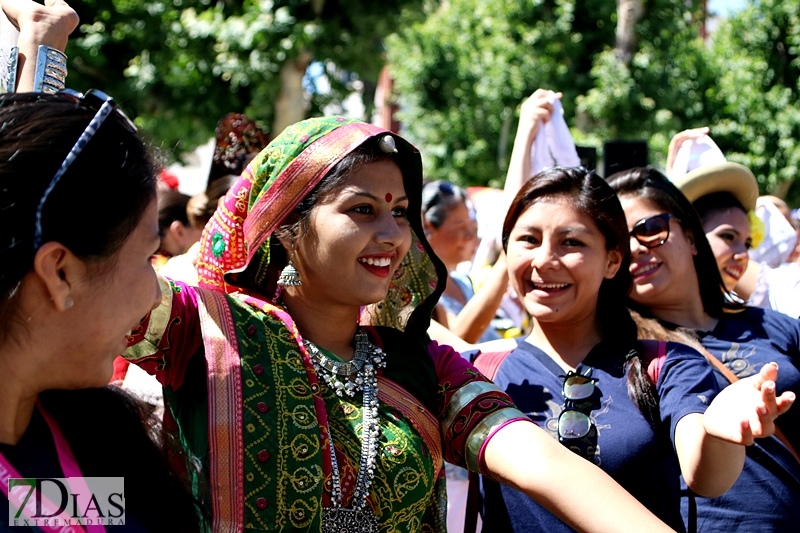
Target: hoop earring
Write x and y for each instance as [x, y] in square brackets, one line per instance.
[290, 277]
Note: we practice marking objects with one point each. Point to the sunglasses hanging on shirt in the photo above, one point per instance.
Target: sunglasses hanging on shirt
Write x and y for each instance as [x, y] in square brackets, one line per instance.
[574, 421]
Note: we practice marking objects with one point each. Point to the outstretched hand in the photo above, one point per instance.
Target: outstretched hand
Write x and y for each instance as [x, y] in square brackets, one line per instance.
[746, 410]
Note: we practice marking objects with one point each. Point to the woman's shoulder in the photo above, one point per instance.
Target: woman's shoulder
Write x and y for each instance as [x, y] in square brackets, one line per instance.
[408, 363]
[392, 339]
[751, 314]
[464, 283]
[678, 349]
[761, 322]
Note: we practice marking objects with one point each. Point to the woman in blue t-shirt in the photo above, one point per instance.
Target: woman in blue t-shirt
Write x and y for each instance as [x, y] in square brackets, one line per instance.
[581, 374]
[676, 280]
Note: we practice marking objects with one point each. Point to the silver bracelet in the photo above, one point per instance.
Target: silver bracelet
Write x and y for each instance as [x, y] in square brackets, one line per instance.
[8, 70]
[51, 70]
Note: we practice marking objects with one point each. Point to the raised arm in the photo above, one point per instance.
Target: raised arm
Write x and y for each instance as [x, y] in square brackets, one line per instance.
[534, 112]
[478, 312]
[678, 139]
[49, 24]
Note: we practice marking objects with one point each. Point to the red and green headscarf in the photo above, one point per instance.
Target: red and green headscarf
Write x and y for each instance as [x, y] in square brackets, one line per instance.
[235, 247]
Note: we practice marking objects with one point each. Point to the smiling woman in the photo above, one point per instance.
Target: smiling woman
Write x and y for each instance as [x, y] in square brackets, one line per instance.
[722, 195]
[582, 374]
[356, 232]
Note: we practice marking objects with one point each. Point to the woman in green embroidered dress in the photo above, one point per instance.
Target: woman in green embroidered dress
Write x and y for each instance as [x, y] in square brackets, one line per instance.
[301, 376]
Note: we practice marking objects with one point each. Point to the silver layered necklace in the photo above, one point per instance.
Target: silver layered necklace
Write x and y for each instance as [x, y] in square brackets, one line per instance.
[348, 378]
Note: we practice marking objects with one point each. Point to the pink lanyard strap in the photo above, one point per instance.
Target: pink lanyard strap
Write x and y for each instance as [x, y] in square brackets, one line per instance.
[70, 468]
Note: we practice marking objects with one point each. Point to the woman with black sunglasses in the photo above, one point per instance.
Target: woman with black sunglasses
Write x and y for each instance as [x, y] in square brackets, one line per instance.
[676, 280]
[581, 373]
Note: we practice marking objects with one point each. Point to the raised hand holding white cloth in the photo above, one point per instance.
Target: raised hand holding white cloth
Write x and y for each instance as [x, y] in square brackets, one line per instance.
[553, 145]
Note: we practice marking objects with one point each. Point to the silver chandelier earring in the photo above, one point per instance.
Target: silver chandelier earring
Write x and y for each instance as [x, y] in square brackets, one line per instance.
[290, 277]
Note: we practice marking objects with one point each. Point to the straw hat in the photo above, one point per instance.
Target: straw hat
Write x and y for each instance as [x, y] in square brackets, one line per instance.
[732, 178]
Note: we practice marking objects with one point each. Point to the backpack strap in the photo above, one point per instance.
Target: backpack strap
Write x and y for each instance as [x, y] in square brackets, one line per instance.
[489, 362]
[473, 504]
[730, 376]
[655, 353]
[654, 359]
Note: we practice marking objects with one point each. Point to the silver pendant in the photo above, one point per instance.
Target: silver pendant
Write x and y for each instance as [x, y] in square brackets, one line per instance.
[348, 520]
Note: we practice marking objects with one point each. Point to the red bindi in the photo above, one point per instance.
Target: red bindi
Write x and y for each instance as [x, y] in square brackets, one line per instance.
[388, 197]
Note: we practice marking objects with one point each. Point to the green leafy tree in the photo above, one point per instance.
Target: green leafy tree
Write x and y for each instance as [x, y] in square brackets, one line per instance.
[664, 89]
[179, 65]
[628, 70]
[756, 119]
[462, 71]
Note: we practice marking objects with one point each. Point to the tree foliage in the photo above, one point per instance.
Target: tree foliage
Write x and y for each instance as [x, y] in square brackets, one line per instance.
[665, 89]
[756, 120]
[180, 65]
[462, 71]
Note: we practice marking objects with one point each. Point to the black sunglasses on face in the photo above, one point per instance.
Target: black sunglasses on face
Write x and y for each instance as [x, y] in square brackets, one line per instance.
[652, 231]
[104, 106]
[573, 422]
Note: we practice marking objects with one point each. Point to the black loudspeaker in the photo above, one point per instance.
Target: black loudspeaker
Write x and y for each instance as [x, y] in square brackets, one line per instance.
[622, 155]
[588, 156]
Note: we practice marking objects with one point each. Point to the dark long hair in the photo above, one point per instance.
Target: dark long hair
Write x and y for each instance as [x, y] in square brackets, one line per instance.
[114, 434]
[706, 206]
[593, 197]
[172, 207]
[649, 184]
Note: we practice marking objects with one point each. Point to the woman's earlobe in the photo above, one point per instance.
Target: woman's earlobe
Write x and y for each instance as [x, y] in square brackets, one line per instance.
[426, 229]
[614, 263]
[692, 242]
[56, 268]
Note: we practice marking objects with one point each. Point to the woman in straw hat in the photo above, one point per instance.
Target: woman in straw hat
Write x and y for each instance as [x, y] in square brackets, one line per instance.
[724, 197]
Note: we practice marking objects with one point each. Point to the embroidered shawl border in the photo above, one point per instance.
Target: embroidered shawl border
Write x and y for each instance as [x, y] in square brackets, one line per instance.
[423, 420]
[156, 326]
[224, 412]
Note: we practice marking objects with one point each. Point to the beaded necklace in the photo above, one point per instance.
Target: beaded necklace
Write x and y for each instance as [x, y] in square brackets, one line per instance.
[357, 375]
